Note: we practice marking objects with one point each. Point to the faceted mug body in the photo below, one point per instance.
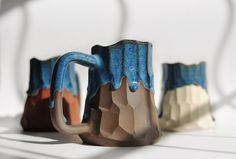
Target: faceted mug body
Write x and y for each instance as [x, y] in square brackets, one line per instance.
[185, 103]
[120, 108]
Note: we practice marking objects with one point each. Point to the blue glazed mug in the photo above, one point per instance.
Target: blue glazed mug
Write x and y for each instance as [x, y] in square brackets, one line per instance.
[119, 107]
[185, 103]
[36, 115]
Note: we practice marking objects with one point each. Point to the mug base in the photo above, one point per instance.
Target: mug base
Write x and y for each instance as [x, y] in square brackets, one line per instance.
[102, 141]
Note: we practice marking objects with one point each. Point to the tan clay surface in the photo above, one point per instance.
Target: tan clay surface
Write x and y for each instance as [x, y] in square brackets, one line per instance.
[186, 108]
[126, 118]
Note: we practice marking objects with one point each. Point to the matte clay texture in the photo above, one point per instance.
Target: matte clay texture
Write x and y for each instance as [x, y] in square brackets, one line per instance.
[36, 116]
[186, 108]
[126, 118]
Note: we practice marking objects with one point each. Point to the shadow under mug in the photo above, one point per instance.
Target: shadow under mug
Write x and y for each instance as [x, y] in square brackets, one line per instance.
[119, 107]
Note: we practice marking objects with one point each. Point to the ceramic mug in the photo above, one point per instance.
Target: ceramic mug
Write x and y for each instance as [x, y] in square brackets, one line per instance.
[185, 103]
[119, 107]
[36, 116]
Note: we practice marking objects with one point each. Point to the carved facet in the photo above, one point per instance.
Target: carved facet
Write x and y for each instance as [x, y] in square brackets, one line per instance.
[127, 117]
[186, 108]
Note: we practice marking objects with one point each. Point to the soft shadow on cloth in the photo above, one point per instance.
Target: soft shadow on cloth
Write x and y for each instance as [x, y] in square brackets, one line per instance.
[119, 152]
[8, 5]
[219, 54]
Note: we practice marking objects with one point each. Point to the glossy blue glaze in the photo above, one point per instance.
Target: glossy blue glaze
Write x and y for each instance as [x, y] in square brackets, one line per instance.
[178, 75]
[127, 58]
[40, 76]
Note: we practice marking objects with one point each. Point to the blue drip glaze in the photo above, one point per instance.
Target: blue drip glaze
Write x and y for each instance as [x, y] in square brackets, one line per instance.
[178, 75]
[59, 71]
[127, 58]
[40, 76]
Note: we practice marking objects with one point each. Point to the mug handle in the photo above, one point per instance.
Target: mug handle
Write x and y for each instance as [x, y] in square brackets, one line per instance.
[56, 101]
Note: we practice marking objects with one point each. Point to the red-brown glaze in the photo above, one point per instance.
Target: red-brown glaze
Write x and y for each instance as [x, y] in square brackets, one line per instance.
[36, 116]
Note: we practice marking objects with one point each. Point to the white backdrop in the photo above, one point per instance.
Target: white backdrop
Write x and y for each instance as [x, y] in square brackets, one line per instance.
[186, 31]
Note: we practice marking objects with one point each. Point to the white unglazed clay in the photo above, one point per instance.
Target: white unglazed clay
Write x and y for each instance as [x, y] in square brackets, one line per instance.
[186, 108]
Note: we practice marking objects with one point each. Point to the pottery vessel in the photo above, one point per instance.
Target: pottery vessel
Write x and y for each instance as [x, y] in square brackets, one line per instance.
[185, 102]
[36, 115]
[120, 108]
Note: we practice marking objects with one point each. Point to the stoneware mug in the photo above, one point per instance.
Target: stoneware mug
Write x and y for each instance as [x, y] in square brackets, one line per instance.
[119, 107]
[185, 103]
[36, 116]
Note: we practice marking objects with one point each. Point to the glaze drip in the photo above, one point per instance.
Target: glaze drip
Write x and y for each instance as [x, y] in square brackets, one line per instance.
[177, 75]
[40, 76]
[127, 58]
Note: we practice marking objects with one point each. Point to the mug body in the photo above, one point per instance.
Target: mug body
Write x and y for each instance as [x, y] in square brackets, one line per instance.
[185, 102]
[36, 115]
[120, 101]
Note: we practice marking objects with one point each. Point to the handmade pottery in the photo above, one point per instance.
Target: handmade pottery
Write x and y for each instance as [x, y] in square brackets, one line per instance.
[120, 108]
[36, 116]
[185, 102]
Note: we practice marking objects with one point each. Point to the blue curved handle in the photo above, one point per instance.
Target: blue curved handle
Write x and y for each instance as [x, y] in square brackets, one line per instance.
[60, 68]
